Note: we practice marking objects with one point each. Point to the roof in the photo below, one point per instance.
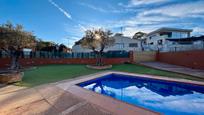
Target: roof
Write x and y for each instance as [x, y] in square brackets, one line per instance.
[165, 29]
[187, 39]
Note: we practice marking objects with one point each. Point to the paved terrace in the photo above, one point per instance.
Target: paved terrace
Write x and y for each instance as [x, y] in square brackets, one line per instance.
[44, 100]
[175, 68]
[65, 98]
[62, 98]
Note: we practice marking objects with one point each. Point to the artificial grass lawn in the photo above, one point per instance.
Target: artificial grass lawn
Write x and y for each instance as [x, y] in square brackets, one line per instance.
[54, 73]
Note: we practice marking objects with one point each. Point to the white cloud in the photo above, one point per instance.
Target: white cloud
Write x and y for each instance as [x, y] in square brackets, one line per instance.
[167, 16]
[109, 8]
[140, 19]
[132, 25]
[60, 9]
[93, 7]
[197, 31]
[133, 3]
[88, 26]
[143, 23]
[148, 20]
[140, 2]
[82, 28]
[130, 31]
[191, 9]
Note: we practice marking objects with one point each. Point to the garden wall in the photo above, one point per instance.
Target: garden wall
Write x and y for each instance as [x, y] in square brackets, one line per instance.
[144, 56]
[192, 59]
[5, 62]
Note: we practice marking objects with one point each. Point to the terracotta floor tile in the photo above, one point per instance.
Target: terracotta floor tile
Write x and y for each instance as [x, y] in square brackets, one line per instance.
[64, 101]
[49, 90]
[89, 109]
[17, 99]
[36, 108]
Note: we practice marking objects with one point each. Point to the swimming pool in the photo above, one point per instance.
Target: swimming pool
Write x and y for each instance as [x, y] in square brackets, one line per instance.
[170, 98]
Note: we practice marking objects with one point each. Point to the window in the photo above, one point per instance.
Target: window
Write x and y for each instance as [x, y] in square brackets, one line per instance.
[173, 43]
[151, 43]
[159, 42]
[120, 45]
[133, 45]
[185, 42]
[179, 35]
[184, 35]
[168, 34]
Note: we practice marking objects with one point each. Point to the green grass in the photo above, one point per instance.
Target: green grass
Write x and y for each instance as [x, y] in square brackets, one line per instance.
[54, 73]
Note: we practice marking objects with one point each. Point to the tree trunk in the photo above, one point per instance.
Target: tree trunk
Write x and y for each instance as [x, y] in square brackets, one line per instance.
[14, 60]
[100, 58]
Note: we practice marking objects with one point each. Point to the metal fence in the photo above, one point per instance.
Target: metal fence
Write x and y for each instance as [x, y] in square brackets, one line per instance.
[54, 55]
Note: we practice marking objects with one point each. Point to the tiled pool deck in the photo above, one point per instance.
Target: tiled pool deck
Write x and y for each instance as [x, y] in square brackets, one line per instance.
[66, 98]
[175, 68]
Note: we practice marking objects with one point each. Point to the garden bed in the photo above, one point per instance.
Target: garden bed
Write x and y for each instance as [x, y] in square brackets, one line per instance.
[99, 67]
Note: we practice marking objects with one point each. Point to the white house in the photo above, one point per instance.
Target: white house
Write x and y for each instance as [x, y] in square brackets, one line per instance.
[163, 39]
[121, 43]
[172, 39]
[191, 43]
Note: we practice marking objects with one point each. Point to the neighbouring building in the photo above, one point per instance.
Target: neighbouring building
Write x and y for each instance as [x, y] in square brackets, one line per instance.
[172, 39]
[163, 39]
[121, 43]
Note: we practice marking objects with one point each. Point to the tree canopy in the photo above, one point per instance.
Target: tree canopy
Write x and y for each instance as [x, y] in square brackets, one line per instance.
[139, 35]
[14, 36]
[97, 40]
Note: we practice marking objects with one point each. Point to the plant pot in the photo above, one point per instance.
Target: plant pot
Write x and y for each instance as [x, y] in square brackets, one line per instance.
[11, 77]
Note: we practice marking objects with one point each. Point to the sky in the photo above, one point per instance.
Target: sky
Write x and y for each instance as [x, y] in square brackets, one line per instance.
[64, 21]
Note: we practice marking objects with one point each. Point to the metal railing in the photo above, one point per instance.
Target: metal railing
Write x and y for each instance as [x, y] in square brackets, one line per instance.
[177, 48]
[56, 55]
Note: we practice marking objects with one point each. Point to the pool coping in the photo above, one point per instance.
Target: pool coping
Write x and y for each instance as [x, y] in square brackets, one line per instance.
[111, 104]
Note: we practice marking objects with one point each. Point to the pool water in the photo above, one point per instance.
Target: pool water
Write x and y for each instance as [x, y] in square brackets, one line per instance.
[170, 98]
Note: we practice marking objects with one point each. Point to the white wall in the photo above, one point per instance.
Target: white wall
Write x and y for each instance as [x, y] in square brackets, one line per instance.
[79, 48]
[165, 46]
[154, 39]
[121, 43]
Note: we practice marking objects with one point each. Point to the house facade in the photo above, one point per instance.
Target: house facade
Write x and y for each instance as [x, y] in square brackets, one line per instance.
[121, 43]
[172, 39]
[163, 40]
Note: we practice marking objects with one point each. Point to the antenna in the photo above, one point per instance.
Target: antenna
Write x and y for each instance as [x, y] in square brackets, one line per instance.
[121, 29]
[69, 39]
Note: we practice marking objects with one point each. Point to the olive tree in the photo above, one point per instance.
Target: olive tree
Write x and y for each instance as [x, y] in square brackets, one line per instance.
[97, 40]
[13, 38]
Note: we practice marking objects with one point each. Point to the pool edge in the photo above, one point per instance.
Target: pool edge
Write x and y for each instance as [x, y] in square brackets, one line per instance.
[113, 105]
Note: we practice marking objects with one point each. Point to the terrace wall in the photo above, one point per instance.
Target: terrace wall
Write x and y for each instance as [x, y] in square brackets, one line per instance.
[191, 59]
